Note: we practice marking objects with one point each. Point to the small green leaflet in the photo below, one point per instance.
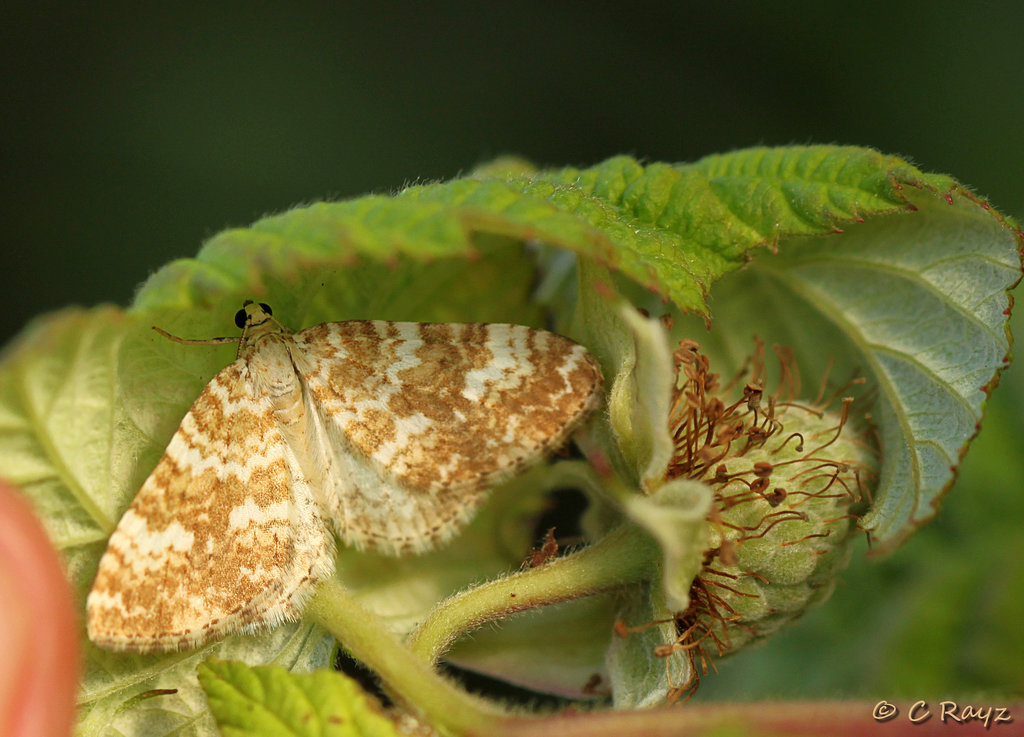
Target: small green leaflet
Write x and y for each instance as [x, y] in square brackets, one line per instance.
[268, 701]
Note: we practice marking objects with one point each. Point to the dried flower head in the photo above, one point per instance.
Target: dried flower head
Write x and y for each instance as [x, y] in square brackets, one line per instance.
[786, 478]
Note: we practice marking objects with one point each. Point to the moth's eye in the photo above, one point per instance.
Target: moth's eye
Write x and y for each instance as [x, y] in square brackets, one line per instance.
[266, 308]
[240, 318]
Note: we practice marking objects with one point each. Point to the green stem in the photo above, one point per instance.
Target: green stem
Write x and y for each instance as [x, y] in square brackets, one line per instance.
[624, 556]
[365, 636]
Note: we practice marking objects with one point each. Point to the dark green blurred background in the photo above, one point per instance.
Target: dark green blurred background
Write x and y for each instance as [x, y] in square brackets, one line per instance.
[132, 133]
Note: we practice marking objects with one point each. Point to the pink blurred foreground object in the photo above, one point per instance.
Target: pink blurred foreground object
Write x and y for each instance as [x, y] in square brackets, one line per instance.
[38, 632]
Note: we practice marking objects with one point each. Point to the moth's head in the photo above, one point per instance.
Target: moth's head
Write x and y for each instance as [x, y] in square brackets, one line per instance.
[253, 314]
[257, 323]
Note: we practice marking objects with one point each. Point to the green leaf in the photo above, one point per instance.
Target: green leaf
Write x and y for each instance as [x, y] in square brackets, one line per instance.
[677, 228]
[314, 265]
[920, 304]
[912, 289]
[271, 701]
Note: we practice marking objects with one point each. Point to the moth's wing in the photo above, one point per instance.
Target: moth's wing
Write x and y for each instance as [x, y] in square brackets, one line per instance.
[224, 533]
[416, 419]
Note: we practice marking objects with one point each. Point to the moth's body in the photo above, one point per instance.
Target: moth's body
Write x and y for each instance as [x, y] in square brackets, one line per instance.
[390, 430]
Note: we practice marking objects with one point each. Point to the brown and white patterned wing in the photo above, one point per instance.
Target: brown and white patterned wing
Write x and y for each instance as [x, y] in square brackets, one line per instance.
[224, 534]
[418, 419]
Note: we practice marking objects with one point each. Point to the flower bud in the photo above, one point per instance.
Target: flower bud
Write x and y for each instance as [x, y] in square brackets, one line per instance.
[786, 479]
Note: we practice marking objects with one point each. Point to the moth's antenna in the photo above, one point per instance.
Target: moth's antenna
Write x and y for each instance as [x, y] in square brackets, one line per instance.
[187, 341]
[284, 328]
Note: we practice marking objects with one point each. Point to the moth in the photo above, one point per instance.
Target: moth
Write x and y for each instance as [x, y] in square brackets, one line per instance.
[389, 433]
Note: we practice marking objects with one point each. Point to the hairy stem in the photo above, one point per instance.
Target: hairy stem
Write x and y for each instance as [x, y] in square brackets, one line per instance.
[409, 677]
[624, 556]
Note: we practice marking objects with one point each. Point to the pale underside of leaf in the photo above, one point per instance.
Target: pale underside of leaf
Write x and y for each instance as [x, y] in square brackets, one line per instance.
[918, 303]
[925, 301]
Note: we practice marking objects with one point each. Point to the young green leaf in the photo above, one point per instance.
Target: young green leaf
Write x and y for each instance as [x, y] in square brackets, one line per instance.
[269, 701]
[897, 273]
[918, 304]
[923, 299]
[677, 228]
